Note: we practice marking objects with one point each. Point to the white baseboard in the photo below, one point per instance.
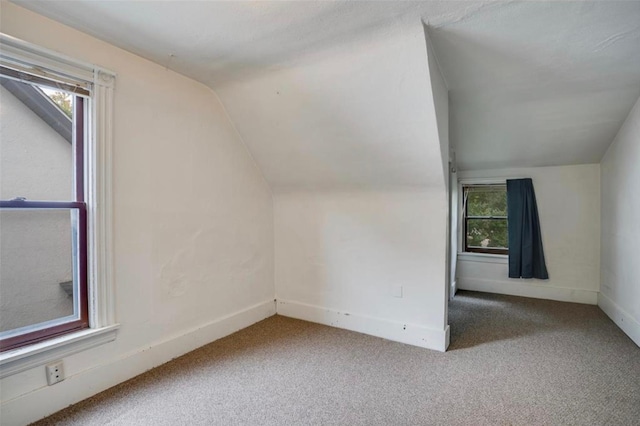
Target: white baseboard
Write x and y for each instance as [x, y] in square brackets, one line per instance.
[528, 288]
[626, 322]
[45, 401]
[411, 334]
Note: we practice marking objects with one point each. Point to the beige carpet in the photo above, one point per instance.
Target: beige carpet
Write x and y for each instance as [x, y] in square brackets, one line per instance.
[511, 361]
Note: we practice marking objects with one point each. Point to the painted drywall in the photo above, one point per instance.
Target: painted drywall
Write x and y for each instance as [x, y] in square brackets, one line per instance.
[440, 96]
[359, 192]
[192, 231]
[453, 231]
[35, 248]
[356, 117]
[568, 199]
[620, 186]
[370, 261]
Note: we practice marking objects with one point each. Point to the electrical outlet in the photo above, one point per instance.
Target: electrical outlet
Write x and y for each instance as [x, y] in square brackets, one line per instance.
[55, 373]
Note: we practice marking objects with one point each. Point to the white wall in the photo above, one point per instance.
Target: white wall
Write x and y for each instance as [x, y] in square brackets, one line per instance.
[342, 256]
[619, 261]
[453, 230]
[440, 95]
[568, 199]
[193, 225]
[360, 198]
[35, 248]
[358, 115]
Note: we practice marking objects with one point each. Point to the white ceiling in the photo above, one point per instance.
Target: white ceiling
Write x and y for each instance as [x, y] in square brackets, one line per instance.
[321, 91]
[217, 41]
[540, 84]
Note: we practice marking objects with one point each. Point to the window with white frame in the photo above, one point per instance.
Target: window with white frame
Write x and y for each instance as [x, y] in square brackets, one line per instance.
[55, 257]
[484, 225]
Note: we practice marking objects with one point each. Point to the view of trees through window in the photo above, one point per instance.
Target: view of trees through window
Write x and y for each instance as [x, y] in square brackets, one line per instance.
[63, 100]
[486, 217]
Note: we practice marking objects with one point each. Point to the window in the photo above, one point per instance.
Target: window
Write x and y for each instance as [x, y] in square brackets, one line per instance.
[485, 219]
[56, 290]
[43, 214]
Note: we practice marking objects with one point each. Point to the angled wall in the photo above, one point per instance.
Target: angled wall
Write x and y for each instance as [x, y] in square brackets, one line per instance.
[440, 96]
[348, 139]
[619, 293]
[359, 114]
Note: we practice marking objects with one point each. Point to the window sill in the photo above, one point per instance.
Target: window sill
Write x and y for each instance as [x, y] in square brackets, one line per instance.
[22, 359]
[483, 257]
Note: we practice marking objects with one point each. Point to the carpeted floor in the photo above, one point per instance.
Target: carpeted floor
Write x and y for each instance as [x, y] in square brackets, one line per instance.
[512, 361]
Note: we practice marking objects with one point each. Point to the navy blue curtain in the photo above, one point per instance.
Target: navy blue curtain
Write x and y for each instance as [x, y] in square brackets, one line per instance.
[526, 257]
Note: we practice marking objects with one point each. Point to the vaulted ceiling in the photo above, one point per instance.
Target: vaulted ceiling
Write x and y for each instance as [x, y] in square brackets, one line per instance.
[330, 93]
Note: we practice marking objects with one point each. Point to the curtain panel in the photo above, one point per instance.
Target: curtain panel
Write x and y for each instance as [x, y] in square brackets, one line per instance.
[526, 256]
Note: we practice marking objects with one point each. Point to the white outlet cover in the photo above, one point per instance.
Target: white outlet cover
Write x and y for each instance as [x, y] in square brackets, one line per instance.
[55, 373]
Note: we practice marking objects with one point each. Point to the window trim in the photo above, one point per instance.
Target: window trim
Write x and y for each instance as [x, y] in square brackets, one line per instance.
[98, 133]
[464, 218]
[38, 354]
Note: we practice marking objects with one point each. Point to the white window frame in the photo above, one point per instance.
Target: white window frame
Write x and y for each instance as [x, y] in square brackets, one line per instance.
[98, 183]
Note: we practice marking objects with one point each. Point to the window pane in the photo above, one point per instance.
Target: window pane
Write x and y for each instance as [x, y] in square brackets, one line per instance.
[487, 233]
[38, 267]
[487, 201]
[36, 152]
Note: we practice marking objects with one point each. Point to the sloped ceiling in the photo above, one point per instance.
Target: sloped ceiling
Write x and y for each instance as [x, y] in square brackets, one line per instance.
[321, 92]
[540, 84]
[359, 116]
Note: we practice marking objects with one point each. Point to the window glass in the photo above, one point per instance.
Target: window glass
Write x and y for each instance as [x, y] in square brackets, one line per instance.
[39, 273]
[43, 221]
[487, 233]
[36, 143]
[485, 221]
[487, 201]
